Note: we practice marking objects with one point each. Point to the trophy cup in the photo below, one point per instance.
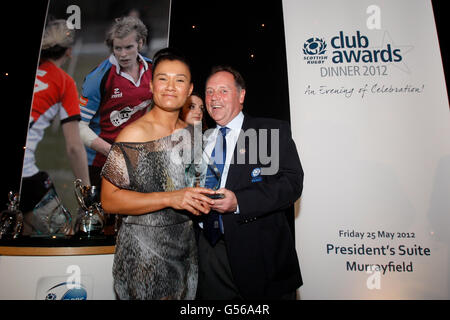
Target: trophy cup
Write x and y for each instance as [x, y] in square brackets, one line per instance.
[11, 220]
[90, 219]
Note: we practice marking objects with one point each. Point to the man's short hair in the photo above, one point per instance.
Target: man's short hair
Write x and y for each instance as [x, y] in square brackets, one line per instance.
[238, 79]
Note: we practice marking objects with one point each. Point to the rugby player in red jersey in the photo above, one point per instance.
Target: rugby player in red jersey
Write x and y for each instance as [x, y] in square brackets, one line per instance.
[116, 92]
[55, 95]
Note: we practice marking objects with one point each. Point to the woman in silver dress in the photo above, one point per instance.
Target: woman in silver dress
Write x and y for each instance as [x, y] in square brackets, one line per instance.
[143, 178]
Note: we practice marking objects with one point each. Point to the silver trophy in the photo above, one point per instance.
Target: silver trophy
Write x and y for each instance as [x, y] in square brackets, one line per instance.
[91, 218]
[11, 220]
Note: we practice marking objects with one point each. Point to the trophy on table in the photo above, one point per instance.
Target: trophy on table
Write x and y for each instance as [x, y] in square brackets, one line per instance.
[11, 220]
[90, 216]
[50, 217]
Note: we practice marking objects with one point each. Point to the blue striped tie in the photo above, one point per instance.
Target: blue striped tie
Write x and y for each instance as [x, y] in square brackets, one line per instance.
[212, 225]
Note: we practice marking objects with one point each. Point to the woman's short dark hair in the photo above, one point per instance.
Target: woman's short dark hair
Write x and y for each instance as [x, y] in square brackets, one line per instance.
[171, 54]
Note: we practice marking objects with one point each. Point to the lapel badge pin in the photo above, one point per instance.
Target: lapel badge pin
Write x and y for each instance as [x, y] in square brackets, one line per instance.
[256, 175]
[256, 172]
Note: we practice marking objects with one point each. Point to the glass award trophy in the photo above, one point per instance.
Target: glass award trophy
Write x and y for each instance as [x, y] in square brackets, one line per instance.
[196, 174]
[50, 217]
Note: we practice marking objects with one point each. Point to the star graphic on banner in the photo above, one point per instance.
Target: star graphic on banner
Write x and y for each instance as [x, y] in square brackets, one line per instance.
[404, 49]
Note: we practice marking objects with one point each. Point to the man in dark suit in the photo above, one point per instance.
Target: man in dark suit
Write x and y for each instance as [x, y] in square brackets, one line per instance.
[254, 255]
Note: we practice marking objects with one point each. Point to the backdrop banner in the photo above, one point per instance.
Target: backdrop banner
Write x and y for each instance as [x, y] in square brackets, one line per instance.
[370, 117]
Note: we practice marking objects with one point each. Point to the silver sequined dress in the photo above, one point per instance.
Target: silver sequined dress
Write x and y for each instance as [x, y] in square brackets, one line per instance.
[156, 253]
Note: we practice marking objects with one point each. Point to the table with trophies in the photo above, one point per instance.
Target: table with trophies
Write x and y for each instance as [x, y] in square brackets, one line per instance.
[46, 255]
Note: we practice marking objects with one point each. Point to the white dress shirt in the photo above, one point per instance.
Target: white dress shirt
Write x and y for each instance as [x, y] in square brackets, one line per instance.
[232, 136]
[235, 127]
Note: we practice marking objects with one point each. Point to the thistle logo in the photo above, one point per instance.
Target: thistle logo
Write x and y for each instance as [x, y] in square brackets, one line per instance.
[314, 46]
[314, 50]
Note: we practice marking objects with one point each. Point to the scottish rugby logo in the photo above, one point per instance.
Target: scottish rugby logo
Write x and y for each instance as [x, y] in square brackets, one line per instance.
[314, 50]
[314, 46]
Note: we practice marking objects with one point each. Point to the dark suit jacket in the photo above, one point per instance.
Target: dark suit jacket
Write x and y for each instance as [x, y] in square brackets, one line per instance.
[260, 242]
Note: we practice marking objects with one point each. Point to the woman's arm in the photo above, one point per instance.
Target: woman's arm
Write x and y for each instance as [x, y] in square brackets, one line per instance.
[121, 201]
